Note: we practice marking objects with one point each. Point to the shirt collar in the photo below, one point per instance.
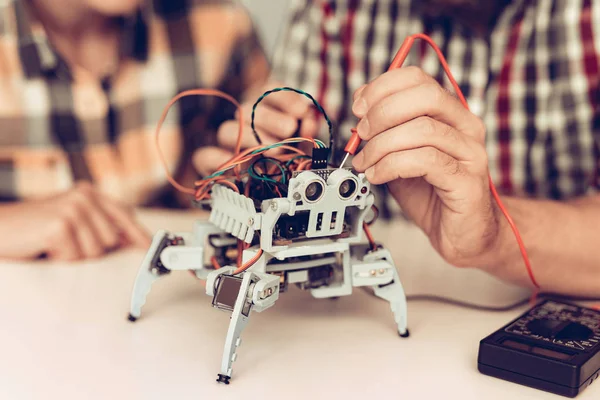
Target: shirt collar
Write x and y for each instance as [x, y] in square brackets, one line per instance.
[38, 58]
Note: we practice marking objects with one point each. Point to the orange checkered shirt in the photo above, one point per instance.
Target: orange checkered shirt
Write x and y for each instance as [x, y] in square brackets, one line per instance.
[59, 124]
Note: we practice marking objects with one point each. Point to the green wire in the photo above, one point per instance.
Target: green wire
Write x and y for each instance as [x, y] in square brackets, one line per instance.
[266, 178]
[274, 162]
[320, 143]
[303, 93]
[257, 151]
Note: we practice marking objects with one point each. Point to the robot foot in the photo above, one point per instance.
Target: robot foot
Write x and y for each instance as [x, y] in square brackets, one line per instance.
[223, 379]
[131, 318]
[405, 334]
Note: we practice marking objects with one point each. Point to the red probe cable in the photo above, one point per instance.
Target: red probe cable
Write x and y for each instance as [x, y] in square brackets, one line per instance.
[399, 59]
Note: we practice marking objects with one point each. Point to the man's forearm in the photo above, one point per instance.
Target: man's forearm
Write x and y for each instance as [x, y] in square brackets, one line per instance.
[562, 240]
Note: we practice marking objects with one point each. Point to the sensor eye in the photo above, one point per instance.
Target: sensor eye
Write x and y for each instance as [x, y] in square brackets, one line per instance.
[313, 191]
[347, 188]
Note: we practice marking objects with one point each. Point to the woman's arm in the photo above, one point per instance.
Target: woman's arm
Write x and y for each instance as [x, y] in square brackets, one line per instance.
[78, 224]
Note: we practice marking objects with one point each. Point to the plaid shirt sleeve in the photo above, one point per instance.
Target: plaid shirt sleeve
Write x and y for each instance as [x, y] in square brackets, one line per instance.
[533, 79]
[59, 125]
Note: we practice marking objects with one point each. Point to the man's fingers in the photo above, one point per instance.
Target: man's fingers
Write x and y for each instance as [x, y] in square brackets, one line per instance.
[309, 127]
[291, 103]
[273, 122]
[228, 133]
[125, 221]
[206, 160]
[227, 136]
[387, 84]
[423, 100]
[416, 133]
[358, 92]
[437, 168]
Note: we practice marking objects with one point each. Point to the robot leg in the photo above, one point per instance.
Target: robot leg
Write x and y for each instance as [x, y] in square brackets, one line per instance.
[240, 295]
[393, 292]
[376, 269]
[150, 270]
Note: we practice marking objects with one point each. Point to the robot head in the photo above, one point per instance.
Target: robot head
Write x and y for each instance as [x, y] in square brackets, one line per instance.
[323, 203]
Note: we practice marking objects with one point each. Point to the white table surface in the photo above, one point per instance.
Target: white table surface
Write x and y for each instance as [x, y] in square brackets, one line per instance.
[64, 335]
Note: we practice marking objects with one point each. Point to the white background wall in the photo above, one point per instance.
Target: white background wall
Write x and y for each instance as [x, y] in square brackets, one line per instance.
[269, 16]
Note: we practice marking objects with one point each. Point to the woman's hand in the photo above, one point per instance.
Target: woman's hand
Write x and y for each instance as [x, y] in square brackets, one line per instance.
[79, 224]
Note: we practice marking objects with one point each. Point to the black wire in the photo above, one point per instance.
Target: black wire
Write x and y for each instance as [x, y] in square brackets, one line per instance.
[283, 167]
[464, 304]
[303, 93]
[479, 307]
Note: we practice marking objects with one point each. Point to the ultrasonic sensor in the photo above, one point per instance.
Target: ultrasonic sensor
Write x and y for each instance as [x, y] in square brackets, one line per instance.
[347, 188]
[314, 191]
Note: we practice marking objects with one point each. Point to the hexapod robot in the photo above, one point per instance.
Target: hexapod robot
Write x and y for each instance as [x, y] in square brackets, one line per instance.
[311, 236]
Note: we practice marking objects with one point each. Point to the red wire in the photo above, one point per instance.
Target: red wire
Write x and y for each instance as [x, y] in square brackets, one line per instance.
[250, 263]
[369, 236]
[163, 117]
[215, 262]
[397, 63]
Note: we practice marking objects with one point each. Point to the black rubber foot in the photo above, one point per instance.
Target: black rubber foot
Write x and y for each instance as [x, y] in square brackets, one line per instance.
[131, 318]
[405, 334]
[223, 379]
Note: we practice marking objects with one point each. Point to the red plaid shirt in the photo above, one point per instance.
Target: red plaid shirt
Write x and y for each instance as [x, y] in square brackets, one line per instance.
[533, 79]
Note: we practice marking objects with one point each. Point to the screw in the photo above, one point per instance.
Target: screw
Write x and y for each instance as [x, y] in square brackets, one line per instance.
[297, 196]
[250, 221]
[273, 205]
[373, 272]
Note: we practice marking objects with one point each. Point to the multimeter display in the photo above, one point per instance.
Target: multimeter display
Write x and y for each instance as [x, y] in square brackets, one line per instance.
[554, 347]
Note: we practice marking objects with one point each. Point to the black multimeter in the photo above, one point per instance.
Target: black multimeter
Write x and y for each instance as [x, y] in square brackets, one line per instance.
[554, 347]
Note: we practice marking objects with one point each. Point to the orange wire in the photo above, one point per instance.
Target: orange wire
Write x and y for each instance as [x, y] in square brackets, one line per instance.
[396, 63]
[534, 297]
[229, 184]
[240, 249]
[201, 191]
[250, 263]
[163, 117]
[246, 156]
[303, 165]
[369, 236]
[215, 263]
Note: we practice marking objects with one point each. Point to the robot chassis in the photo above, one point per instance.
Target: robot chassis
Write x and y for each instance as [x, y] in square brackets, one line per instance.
[312, 237]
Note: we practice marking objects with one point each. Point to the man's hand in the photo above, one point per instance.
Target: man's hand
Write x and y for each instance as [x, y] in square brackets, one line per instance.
[279, 116]
[430, 152]
[78, 224]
